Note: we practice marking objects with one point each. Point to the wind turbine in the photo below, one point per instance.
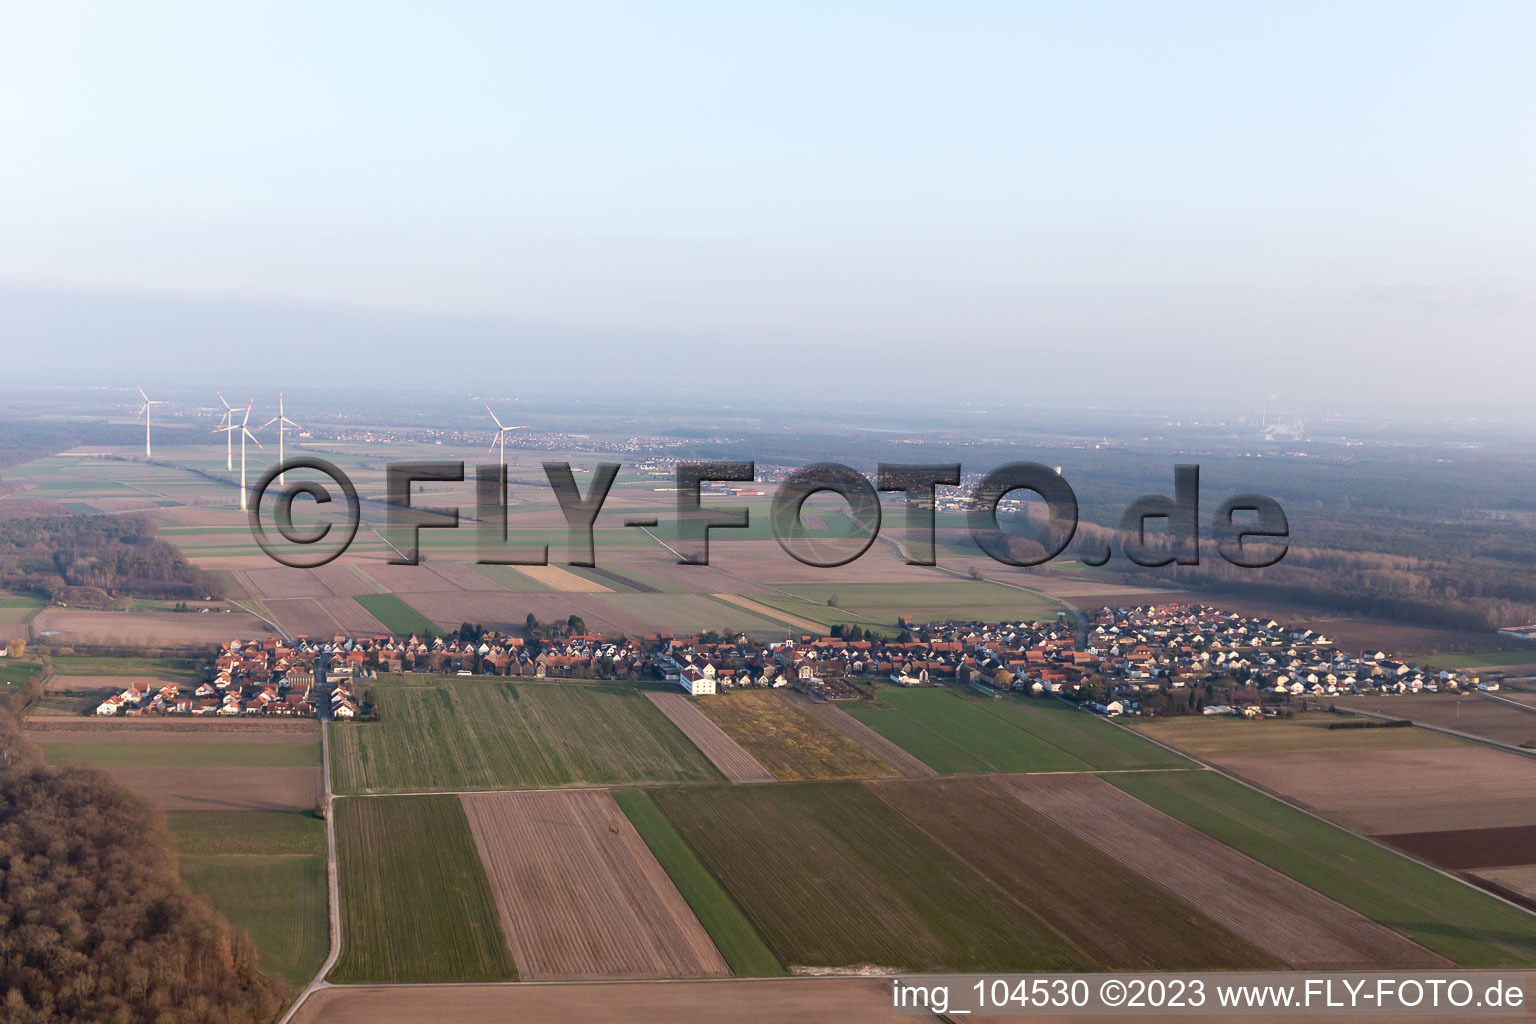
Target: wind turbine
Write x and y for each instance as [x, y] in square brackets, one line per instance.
[229, 437]
[281, 420]
[245, 432]
[501, 437]
[145, 413]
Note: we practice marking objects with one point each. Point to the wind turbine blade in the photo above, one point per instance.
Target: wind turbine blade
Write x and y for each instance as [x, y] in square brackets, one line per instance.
[248, 412]
[227, 406]
[292, 424]
[493, 416]
[141, 392]
[253, 438]
[267, 424]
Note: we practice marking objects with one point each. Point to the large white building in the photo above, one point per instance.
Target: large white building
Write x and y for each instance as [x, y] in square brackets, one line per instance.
[696, 683]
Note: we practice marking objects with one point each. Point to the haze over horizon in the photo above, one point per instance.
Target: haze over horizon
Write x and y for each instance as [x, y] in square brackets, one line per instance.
[1066, 207]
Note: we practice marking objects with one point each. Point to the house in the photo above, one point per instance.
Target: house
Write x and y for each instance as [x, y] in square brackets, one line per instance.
[696, 683]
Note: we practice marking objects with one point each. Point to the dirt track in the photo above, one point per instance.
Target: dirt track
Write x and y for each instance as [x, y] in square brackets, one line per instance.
[725, 753]
[579, 893]
[1277, 914]
[790, 1001]
[770, 612]
[866, 737]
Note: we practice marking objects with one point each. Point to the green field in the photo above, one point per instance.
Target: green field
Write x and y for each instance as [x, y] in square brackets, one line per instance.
[926, 601]
[17, 610]
[13, 671]
[440, 733]
[830, 876]
[76, 665]
[1439, 912]
[1492, 659]
[397, 616]
[1096, 740]
[182, 755]
[416, 905]
[728, 927]
[954, 735]
[265, 872]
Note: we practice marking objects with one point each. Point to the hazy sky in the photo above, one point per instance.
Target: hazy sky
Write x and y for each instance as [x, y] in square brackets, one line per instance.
[1162, 204]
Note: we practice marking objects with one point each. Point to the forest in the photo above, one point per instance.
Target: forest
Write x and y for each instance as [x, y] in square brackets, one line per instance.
[89, 559]
[95, 924]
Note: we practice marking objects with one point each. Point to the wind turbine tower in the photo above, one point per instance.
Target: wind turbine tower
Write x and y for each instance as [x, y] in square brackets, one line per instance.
[245, 432]
[281, 420]
[229, 437]
[145, 413]
[501, 437]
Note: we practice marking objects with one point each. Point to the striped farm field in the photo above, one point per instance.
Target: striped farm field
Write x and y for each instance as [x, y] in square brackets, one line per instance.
[716, 744]
[732, 933]
[580, 894]
[786, 739]
[416, 905]
[1119, 919]
[831, 876]
[1095, 740]
[1440, 912]
[448, 734]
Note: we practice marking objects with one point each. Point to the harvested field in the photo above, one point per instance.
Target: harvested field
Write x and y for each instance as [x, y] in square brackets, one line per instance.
[1428, 906]
[1102, 907]
[1519, 881]
[416, 906]
[579, 893]
[865, 737]
[447, 734]
[146, 629]
[1392, 791]
[788, 1001]
[556, 578]
[224, 788]
[723, 752]
[1502, 721]
[115, 683]
[324, 616]
[1277, 914]
[757, 608]
[1217, 737]
[1460, 849]
[180, 751]
[787, 740]
[831, 876]
[237, 730]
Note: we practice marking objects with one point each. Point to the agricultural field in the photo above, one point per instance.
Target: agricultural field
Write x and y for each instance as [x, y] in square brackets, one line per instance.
[164, 668]
[1117, 918]
[1217, 737]
[438, 733]
[1096, 741]
[864, 736]
[1268, 909]
[580, 895]
[729, 929]
[830, 876]
[955, 735]
[787, 740]
[1481, 659]
[1437, 911]
[18, 610]
[780, 1001]
[926, 601]
[1394, 791]
[1476, 714]
[730, 757]
[194, 764]
[265, 872]
[397, 616]
[416, 905]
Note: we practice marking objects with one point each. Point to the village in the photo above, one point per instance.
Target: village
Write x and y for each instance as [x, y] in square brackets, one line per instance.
[1155, 660]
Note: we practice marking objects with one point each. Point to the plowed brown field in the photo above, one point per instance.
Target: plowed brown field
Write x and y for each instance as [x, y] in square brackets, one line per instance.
[579, 892]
